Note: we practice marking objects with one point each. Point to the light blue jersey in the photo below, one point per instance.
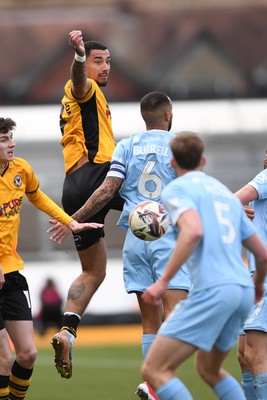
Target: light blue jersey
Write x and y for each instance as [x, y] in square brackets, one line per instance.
[260, 207]
[257, 316]
[217, 260]
[143, 162]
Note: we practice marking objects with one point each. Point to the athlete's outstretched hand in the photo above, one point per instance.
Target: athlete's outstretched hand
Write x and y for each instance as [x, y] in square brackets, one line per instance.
[60, 231]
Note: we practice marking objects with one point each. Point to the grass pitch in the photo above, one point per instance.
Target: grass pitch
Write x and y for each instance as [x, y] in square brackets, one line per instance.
[108, 373]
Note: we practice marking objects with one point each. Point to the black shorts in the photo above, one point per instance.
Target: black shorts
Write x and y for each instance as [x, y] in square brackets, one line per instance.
[78, 187]
[15, 302]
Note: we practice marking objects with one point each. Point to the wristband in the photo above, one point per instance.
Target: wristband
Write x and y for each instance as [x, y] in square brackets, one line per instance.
[80, 58]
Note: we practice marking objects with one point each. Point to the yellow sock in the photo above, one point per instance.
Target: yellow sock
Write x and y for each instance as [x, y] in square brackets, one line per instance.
[4, 392]
[18, 387]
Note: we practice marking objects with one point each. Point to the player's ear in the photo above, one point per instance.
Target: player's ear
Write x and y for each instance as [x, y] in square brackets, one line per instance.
[173, 163]
[167, 116]
[203, 161]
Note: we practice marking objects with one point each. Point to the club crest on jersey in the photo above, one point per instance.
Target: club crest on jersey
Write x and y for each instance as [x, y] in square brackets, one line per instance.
[18, 180]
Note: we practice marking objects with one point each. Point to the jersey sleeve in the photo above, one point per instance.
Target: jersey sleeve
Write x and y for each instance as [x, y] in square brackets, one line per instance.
[31, 180]
[260, 184]
[118, 164]
[40, 200]
[247, 226]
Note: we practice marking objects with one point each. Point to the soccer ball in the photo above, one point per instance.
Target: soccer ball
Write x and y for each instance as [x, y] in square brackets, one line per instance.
[149, 220]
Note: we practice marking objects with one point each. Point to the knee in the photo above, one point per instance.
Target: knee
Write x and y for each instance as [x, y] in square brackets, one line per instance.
[27, 358]
[147, 372]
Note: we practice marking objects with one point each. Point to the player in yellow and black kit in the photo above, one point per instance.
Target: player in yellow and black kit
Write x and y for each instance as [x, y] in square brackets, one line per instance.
[88, 144]
[17, 178]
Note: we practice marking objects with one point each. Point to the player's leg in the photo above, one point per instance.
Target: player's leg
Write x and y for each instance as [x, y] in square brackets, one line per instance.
[165, 356]
[82, 289]
[256, 358]
[209, 367]
[6, 362]
[151, 320]
[151, 316]
[233, 303]
[158, 253]
[170, 298]
[93, 262]
[17, 316]
[247, 378]
[21, 335]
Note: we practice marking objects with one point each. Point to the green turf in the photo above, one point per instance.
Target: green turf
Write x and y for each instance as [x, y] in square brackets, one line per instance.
[108, 373]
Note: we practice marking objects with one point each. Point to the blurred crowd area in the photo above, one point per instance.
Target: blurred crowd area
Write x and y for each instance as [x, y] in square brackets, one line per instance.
[191, 49]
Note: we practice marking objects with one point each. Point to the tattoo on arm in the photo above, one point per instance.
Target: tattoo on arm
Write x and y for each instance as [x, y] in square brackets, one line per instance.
[98, 199]
[78, 73]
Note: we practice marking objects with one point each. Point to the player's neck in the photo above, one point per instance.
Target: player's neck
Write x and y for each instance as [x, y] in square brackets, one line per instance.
[3, 166]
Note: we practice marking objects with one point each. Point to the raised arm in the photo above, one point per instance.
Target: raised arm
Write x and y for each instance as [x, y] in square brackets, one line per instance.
[81, 84]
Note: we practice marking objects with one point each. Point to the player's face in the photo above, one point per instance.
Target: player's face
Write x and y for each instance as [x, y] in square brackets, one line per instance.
[7, 146]
[98, 66]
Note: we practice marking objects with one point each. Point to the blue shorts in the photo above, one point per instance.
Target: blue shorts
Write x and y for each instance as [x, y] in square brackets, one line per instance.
[211, 316]
[144, 262]
[257, 316]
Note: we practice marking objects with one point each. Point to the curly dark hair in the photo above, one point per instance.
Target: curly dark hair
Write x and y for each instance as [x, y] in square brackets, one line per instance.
[6, 125]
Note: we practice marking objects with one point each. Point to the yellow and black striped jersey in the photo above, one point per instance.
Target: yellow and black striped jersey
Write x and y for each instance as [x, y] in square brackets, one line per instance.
[86, 127]
[16, 180]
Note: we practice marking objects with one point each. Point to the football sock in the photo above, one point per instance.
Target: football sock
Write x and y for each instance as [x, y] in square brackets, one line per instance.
[147, 340]
[19, 381]
[248, 385]
[4, 389]
[70, 322]
[173, 390]
[260, 381]
[229, 389]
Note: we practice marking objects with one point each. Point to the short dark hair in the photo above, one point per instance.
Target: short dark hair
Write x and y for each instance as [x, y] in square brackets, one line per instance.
[6, 125]
[187, 149]
[152, 104]
[93, 45]
[151, 101]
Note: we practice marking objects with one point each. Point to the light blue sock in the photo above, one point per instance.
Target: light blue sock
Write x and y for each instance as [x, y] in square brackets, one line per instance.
[147, 341]
[229, 389]
[260, 382]
[248, 385]
[173, 390]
